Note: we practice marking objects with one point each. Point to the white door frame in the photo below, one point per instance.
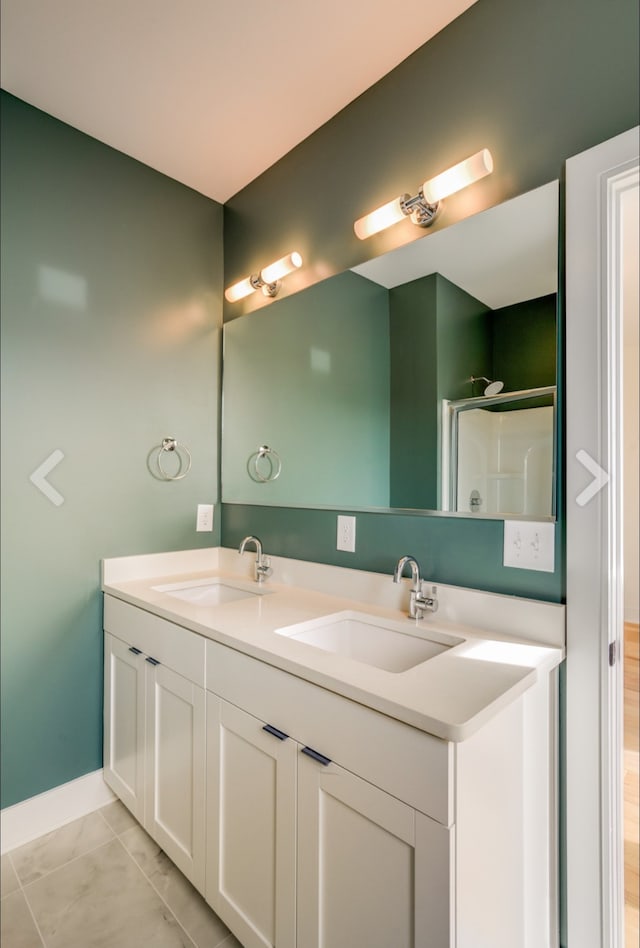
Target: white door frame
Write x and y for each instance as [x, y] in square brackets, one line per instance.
[596, 183]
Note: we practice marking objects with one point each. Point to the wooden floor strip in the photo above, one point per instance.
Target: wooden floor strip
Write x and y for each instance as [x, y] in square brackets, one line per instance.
[631, 781]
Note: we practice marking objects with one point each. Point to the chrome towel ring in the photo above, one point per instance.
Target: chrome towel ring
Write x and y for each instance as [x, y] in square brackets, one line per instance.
[271, 464]
[182, 453]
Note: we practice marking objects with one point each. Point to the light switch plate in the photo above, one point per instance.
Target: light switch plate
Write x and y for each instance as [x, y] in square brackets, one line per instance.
[529, 544]
[204, 518]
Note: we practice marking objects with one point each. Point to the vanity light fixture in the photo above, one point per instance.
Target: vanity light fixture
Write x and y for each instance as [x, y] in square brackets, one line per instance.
[268, 280]
[425, 206]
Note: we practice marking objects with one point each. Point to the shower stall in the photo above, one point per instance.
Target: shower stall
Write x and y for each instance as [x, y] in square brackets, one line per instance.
[498, 453]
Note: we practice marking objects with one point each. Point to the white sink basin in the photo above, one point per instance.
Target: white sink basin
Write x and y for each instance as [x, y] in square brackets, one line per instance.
[372, 640]
[209, 592]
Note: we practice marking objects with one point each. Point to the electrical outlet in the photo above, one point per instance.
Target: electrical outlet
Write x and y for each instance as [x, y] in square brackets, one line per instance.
[346, 534]
[204, 518]
[529, 545]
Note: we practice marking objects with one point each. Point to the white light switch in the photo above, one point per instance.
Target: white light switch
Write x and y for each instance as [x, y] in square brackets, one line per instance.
[204, 518]
[529, 544]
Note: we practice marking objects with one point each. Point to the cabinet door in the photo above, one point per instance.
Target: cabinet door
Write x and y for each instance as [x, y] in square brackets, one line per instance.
[175, 769]
[251, 814]
[124, 723]
[371, 870]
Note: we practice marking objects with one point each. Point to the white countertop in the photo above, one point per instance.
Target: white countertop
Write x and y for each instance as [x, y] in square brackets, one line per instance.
[450, 696]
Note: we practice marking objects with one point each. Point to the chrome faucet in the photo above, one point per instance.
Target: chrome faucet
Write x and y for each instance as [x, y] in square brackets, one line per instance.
[419, 603]
[262, 568]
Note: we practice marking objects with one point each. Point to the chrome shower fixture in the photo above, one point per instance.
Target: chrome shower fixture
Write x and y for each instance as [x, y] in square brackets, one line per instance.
[492, 388]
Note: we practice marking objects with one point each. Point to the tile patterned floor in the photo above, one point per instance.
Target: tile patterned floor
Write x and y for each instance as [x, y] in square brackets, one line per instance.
[101, 882]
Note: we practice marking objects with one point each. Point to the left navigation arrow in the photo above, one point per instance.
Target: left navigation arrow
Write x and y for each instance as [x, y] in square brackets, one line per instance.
[39, 477]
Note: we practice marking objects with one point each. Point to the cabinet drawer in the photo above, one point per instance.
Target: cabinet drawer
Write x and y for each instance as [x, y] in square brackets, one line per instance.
[413, 766]
[169, 644]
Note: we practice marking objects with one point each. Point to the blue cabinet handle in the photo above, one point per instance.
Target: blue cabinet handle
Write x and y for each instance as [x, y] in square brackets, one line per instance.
[270, 729]
[310, 752]
[136, 651]
[152, 661]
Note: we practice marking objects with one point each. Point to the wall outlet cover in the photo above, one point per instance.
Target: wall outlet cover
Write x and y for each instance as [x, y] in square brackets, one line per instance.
[346, 539]
[529, 544]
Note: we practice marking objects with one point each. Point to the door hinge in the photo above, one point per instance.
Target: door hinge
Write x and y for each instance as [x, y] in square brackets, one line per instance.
[613, 653]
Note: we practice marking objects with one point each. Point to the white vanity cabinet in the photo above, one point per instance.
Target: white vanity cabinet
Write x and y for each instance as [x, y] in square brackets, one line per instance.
[310, 851]
[124, 714]
[251, 826]
[371, 870]
[154, 729]
[310, 820]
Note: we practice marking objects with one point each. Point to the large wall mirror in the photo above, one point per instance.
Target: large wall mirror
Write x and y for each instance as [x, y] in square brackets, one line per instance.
[341, 395]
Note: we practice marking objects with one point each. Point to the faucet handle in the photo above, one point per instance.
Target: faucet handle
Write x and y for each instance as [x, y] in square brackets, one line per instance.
[426, 600]
[263, 568]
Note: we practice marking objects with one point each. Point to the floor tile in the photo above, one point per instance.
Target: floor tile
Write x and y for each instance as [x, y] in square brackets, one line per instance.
[118, 817]
[231, 942]
[8, 878]
[17, 928]
[191, 910]
[35, 859]
[102, 900]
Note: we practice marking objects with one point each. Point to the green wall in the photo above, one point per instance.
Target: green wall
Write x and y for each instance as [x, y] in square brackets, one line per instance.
[310, 379]
[112, 292]
[446, 548]
[344, 380]
[111, 316]
[440, 336]
[535, 83]
[464, 340]
[524, 344]
[414, 433]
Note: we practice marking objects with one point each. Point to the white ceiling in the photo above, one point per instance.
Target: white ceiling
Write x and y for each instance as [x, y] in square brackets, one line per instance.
[209, 92]
[502, 256]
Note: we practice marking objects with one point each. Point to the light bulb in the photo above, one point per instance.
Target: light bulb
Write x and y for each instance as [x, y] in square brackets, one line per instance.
[283, 266]
[380, 219]
[239, 290]
[458, 177]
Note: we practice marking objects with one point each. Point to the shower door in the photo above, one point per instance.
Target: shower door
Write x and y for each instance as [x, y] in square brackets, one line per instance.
[500, 458]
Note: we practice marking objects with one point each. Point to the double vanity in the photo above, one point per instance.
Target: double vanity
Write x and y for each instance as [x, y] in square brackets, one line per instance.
[326, 770]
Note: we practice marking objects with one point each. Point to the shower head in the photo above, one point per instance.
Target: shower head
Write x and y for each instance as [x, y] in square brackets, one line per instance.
[492, 388]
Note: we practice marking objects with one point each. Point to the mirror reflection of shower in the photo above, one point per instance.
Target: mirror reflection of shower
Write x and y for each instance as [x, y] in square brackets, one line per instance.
[498, 453]
[492, 388]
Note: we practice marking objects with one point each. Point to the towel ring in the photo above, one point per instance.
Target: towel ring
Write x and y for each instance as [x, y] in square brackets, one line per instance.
[275, 464]
[170, 444]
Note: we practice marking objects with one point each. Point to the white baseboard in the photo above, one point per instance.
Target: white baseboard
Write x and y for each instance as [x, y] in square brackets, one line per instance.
[26, 821]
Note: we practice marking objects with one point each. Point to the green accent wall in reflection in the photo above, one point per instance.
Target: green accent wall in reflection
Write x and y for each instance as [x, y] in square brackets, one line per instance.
[310, 379]
[524, 344]
[413, 339]
[111, 324]
[345, 381]
[439, 335]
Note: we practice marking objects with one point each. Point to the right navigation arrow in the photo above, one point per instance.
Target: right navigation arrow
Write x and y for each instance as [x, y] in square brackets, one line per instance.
[600, 478]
